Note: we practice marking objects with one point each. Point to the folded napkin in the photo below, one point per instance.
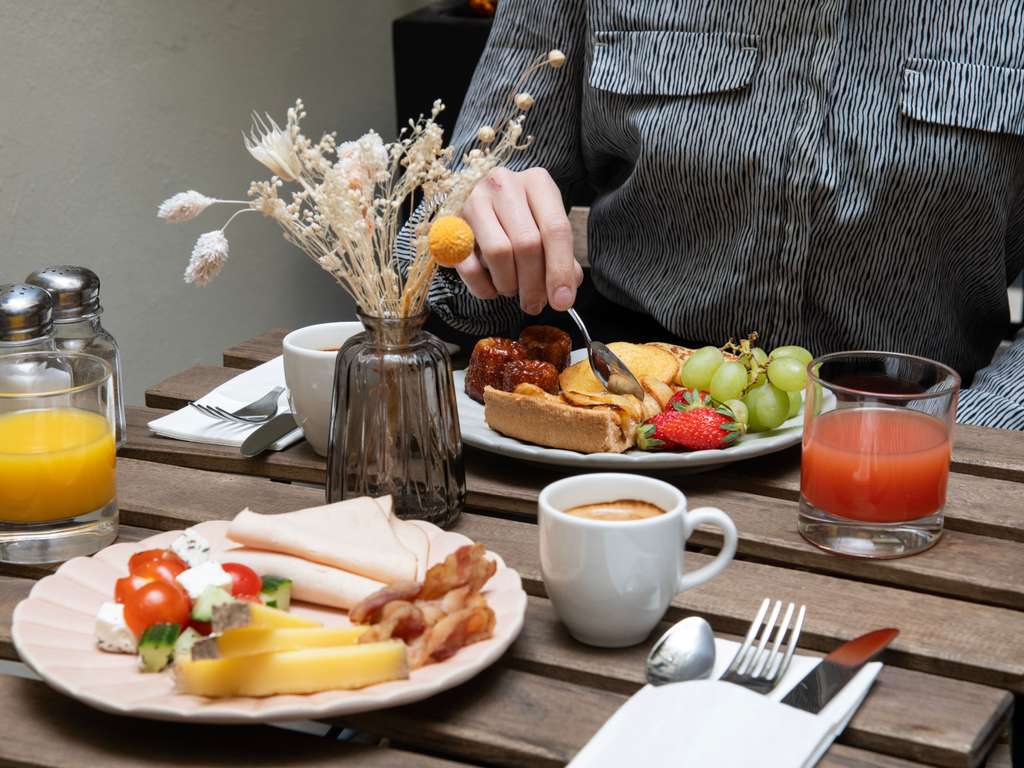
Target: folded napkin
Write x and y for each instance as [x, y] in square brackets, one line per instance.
[189, 424]
[711, 723]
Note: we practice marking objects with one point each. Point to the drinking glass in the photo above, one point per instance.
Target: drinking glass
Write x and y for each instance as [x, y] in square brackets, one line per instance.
[57, 456]
[876, 454]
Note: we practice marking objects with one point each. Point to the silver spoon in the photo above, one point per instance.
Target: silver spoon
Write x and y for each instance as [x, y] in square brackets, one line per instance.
[685, 652]
[606, 365]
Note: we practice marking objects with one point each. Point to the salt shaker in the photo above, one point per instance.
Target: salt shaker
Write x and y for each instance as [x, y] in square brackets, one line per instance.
[76, 323]
[26, 319]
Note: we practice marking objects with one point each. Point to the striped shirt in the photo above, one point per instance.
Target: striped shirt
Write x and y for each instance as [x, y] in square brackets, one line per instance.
[838, 174]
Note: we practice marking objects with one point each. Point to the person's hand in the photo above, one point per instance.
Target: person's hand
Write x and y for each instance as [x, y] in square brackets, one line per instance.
[523, 241]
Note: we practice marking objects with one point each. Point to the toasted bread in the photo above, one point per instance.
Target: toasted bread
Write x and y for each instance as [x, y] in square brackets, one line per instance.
[550, 421]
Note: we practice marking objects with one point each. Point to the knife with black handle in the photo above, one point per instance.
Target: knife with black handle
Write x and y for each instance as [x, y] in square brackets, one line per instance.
[837, 669]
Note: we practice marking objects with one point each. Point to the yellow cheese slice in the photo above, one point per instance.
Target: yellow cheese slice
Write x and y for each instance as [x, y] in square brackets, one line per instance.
[246, 641]
[307, 671]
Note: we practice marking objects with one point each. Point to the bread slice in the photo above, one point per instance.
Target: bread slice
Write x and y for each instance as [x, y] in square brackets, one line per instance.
[550, 421]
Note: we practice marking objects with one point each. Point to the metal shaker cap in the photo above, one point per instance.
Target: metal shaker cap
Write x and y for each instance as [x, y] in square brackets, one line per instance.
[26, 312]
[75, 291]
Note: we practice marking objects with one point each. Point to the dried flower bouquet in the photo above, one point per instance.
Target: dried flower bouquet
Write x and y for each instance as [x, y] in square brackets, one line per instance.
[345, 203]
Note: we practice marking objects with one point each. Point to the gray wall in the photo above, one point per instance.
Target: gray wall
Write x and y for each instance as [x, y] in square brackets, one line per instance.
[109, 106]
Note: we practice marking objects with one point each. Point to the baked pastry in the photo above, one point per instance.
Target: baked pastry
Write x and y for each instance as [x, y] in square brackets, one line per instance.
[535, 416]
[486, 363]
[545, 342]
[537, 372]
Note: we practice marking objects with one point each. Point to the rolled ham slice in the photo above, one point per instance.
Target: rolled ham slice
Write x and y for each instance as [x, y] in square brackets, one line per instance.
[413, 537]
[355, 535]
[311, 582]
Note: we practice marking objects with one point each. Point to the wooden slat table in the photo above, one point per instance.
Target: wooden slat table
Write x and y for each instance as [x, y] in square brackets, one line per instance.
[945, 696]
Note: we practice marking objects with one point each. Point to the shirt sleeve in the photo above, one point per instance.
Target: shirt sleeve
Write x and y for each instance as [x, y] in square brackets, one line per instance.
[522, 31]
[996, 397]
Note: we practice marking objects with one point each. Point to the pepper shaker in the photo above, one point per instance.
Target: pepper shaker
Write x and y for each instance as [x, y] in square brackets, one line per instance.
[76, 323]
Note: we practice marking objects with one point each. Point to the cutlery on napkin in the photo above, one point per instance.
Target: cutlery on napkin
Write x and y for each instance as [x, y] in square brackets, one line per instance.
[189, 424]
[712, 723]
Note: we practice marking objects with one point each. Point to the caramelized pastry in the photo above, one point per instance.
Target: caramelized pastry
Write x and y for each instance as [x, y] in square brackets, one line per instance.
[489, 357]
[537, 372]
[545, 342]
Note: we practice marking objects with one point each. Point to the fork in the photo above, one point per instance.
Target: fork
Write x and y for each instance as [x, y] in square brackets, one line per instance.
[256, 412]
[760, 669]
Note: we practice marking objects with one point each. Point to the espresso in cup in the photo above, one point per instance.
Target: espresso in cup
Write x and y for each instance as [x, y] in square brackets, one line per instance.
[617, 511]
[611, 579]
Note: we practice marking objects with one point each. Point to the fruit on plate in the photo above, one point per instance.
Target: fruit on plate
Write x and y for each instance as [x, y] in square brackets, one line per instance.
[537, 372]
[547, 343]
[643, 360]
[486, 362]
[693, 423]
[310, 670]
[157, 602]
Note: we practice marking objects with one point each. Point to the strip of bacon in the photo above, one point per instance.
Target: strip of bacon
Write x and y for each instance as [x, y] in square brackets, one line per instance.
[453, 632]
[369, 610]
[465, 566]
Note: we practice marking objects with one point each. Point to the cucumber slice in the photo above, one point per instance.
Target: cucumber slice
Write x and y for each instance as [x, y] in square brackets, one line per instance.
[185, 641]
[276, 592]
[202, 608]
[156, 646]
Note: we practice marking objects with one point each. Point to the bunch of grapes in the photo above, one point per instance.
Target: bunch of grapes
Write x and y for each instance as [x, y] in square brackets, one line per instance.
[762, 390]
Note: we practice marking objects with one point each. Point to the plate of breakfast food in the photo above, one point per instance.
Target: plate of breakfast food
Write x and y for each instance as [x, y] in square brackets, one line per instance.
[317, 613]
[535, 398]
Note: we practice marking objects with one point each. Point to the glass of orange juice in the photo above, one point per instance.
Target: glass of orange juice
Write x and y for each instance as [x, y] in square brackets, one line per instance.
[57, 456]
[876, 454]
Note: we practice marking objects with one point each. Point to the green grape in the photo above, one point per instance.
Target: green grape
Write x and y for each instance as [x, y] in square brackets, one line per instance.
[787, 374]
[729, 381]
[696, 372]
[796, 399]
[768, 407]
[799, 353]
[759, 355]
[739, 410]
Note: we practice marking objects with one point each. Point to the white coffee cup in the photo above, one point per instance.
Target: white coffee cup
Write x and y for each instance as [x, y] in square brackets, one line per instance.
[309, 374]
[611, 581]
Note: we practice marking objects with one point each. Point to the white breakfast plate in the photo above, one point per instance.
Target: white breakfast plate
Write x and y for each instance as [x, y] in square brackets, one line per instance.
[476, 433]
[53, 633]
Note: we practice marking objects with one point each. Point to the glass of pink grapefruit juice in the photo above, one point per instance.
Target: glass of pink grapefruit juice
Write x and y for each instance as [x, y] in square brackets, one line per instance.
[876, 463]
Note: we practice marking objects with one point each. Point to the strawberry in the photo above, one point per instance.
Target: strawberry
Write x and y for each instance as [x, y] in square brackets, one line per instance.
[650, 435]
[699, 427]
[687, 397]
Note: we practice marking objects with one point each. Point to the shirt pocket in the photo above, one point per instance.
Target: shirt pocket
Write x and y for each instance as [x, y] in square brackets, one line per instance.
[973, 96]
[667, 63]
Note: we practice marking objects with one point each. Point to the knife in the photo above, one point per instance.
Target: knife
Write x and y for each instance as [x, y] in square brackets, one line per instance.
[837, 669]
[267, 434]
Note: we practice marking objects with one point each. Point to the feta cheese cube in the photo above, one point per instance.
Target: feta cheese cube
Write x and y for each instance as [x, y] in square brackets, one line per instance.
[209, 574]
[112, 633]
[191, 547]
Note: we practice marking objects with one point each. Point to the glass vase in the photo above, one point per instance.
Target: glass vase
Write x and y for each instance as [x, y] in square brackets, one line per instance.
[394, 424]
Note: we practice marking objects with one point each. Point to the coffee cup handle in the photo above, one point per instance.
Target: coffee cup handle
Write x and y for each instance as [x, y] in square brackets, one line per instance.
[718, 518]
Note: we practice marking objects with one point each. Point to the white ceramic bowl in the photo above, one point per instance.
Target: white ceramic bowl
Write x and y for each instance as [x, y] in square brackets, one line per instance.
[309, 374]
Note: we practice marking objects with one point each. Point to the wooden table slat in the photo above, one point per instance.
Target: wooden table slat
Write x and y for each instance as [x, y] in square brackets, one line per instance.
[256, 350]
[46, 729]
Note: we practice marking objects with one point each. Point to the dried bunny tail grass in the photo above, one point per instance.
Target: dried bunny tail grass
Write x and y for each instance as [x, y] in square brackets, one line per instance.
[187, 205]
[208, 257]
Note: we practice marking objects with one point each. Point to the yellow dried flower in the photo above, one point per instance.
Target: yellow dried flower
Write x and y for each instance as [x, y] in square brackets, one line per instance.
[485, 135]
[555, 58]
[450, 240]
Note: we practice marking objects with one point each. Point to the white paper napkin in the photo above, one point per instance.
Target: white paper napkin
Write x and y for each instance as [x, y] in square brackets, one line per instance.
[189, 424]
[711, 724]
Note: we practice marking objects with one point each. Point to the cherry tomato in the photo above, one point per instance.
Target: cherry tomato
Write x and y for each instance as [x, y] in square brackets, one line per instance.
[157, 602]
[159, 570]
[127, 586]
[245, 582]
[202, 627]
[140, 559]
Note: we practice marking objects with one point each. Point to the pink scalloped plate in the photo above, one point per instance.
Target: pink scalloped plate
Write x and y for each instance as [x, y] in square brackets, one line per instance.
[53, 632]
